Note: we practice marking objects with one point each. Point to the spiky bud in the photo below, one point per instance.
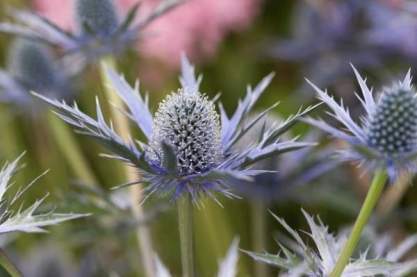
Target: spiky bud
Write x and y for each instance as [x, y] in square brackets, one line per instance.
[392, 129]
[190, 124]
[31, 64]
[96, 16]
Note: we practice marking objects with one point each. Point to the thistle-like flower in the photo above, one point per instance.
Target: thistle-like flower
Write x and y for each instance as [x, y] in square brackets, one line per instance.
[28, 219]
[387, 137]
[100, 31]
[32, 67]
[297, 258]
[190, 147]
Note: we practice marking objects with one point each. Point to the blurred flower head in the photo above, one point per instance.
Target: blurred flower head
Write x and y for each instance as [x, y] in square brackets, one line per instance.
[99, 30]
[197, 27]
[387, 137]
[31, 66]
[188, 149]
[298, 258]
[96, 16]
[327, 35]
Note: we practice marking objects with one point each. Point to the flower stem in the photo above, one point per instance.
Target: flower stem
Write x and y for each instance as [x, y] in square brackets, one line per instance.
[371, 199]
[71, 150]
[122, 127]
[8, 265]
[259, 226]
[185, 223]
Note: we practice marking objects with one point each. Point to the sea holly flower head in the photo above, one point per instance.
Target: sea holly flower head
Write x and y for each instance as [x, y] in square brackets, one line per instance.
[29, 219]
[190, 124]
[298, 258]
[189, 147]
[100, 30]
[387, 137]
[31, 67]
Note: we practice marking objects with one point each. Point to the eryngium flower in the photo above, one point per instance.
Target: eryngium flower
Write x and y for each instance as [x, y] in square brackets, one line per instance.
[24, 219]
[387, 137]
[188, 149]
[31, 66]
[100, 30]
[298, 258]
[190, 123]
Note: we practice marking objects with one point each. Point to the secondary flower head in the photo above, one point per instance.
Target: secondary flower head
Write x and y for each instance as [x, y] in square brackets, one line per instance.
[190, 148]
[392, 128]
[31, 66]
[387, 137]
[326, 34]
[197, 27]
[96, 16]
[99, 29]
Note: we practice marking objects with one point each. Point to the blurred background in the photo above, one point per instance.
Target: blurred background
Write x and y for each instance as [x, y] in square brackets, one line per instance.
[233, 43]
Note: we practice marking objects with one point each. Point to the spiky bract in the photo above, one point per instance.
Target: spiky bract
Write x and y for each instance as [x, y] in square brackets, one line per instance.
[29, 219]
[298, 258]
[187, 149]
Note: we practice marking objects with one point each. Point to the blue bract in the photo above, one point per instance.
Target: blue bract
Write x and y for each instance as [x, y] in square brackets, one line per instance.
[190, 148]
[387, 137]
[100, 30]
[288, 172]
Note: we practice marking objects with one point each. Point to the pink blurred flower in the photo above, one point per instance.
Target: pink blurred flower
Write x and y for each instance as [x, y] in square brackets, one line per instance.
[196, 28]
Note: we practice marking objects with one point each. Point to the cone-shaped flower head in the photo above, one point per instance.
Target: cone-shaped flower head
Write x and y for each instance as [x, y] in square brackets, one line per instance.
[190, 124]
[97, 16]
[387, 138]
[32, 64]
[99, 32]
[392, 128]
[190, 148]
